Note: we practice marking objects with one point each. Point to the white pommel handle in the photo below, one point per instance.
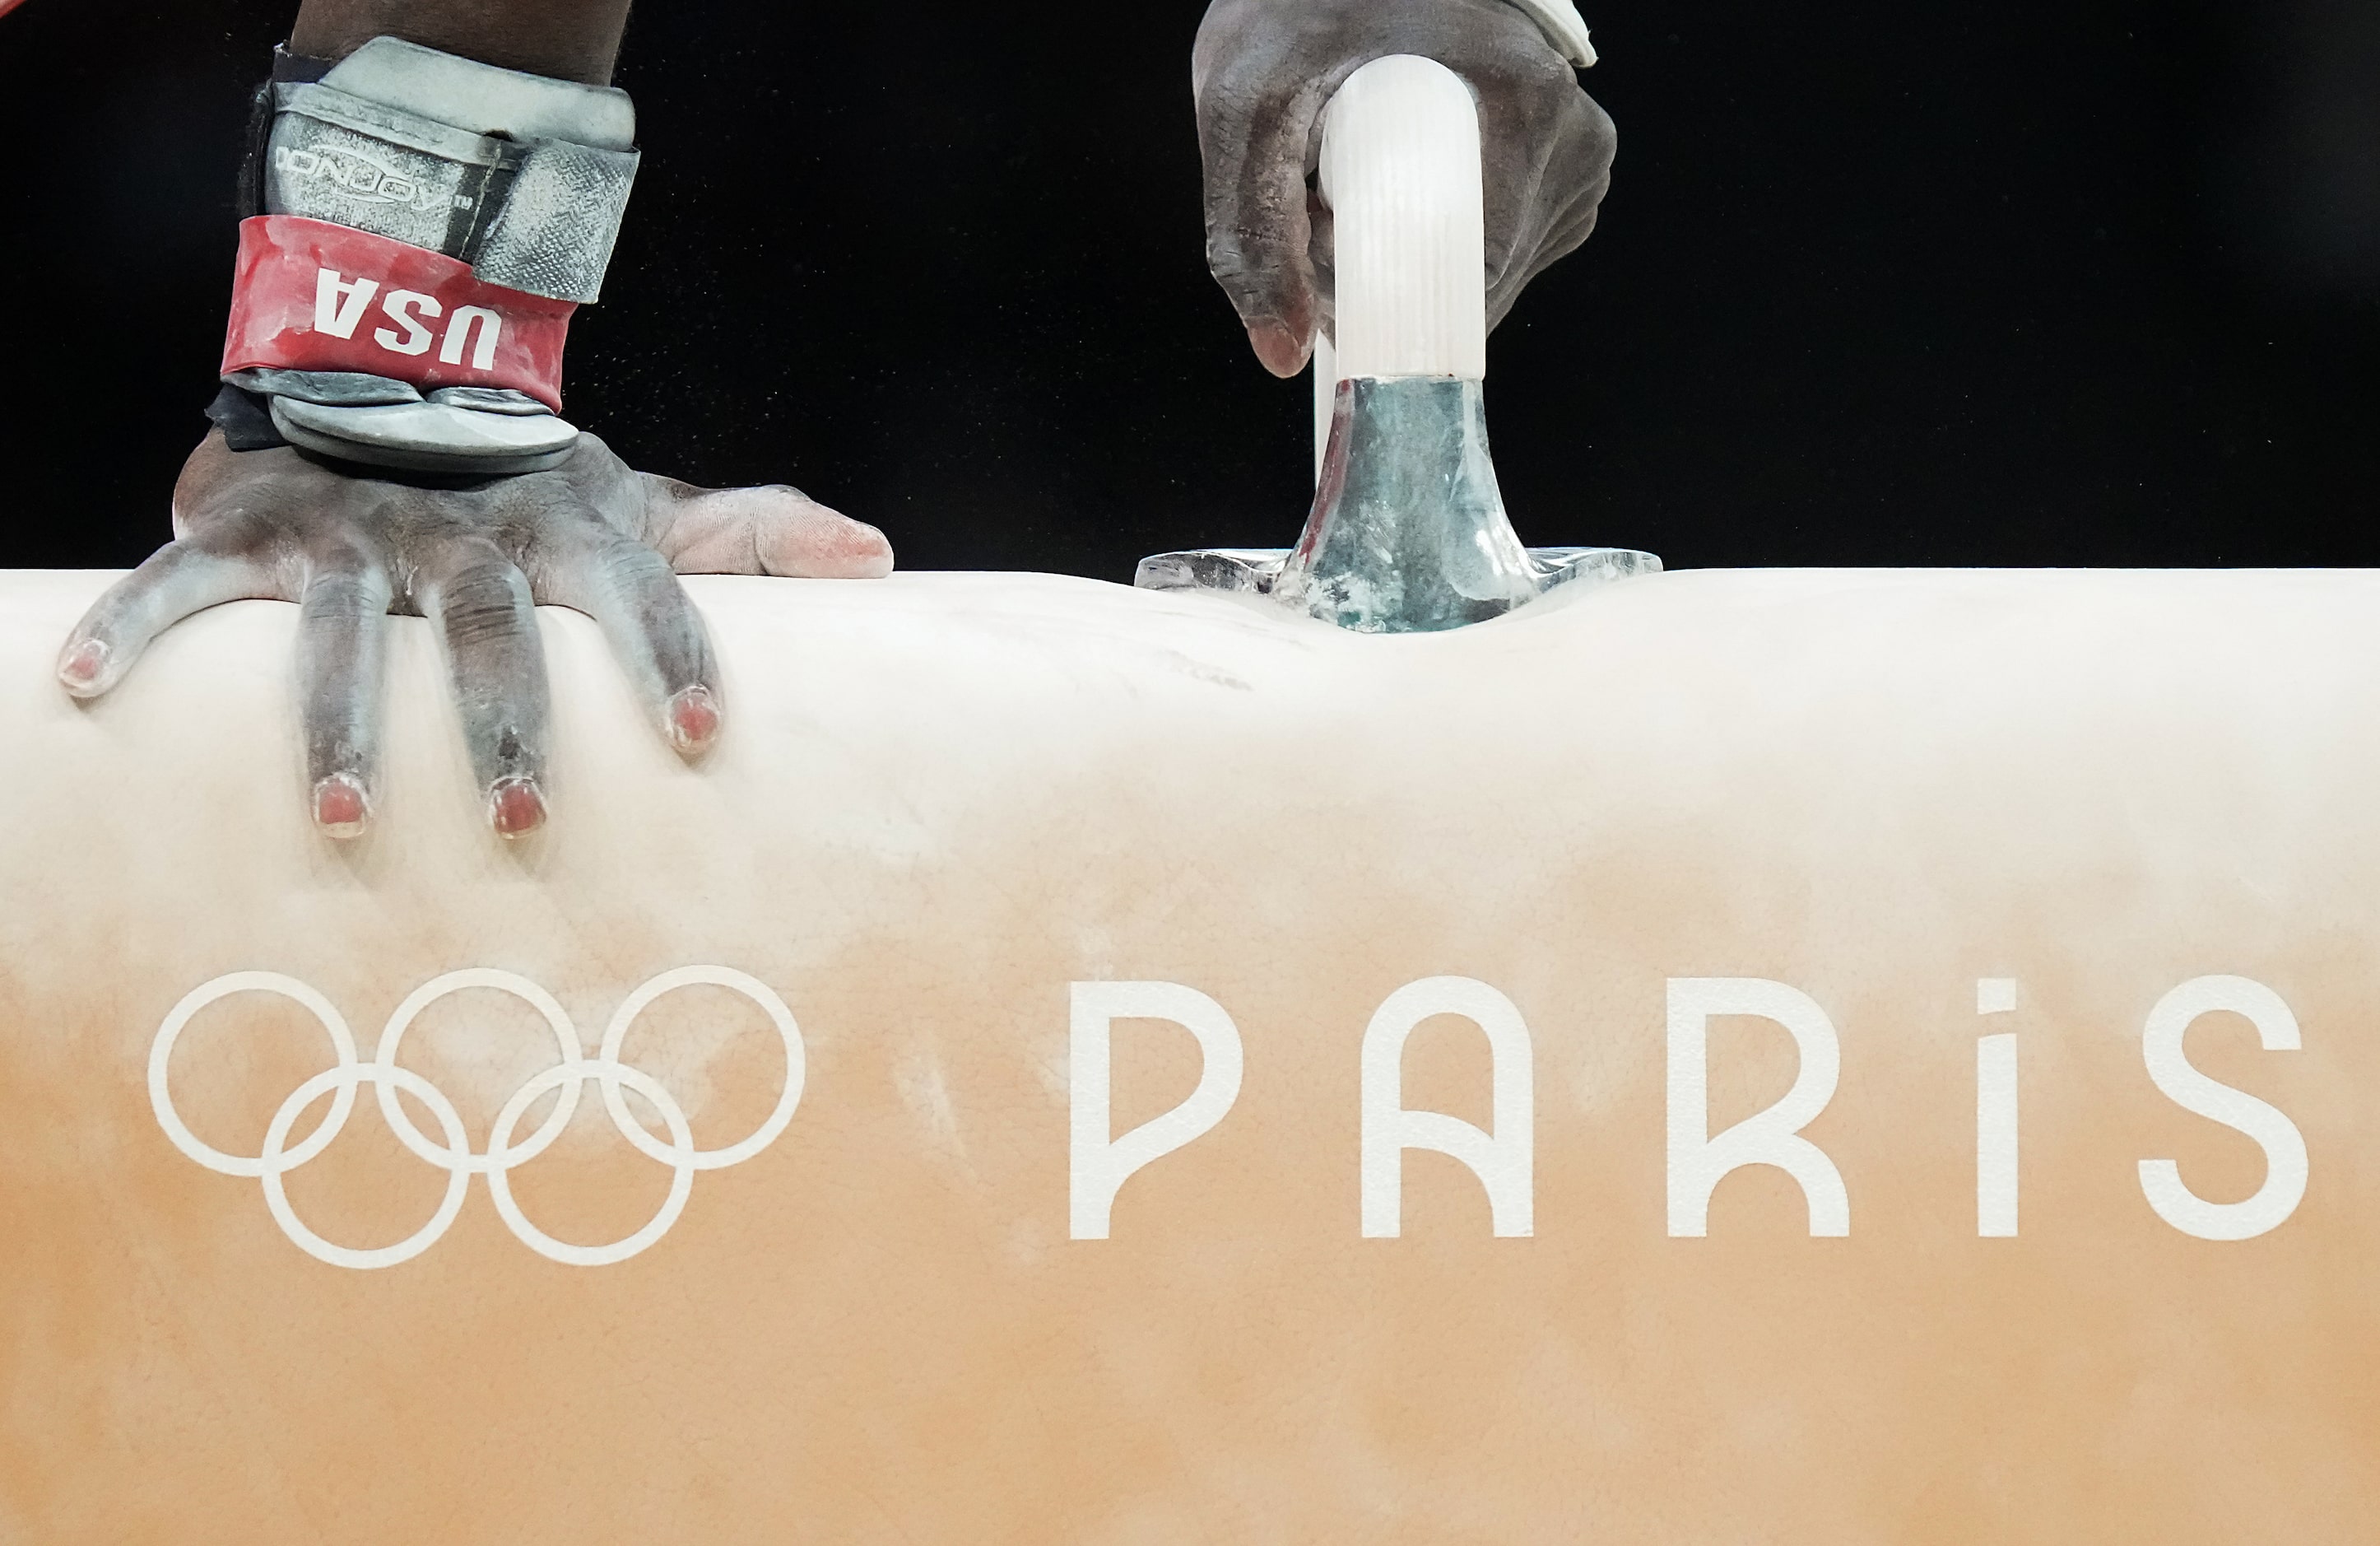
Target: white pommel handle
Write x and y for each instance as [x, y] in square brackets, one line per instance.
[1400, 169]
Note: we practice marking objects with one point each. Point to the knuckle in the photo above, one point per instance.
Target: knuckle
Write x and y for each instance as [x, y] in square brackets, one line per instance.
[342, 590]
[1595, 128]
[1252, 240]
[633, 564]
[1256, 267]
[483, 601]
[1239, 68]
[1549, 74]
[232, 531]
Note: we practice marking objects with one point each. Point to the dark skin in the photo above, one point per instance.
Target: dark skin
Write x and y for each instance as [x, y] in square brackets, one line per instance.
[350, 547]
[1262, 71]
[570, 39]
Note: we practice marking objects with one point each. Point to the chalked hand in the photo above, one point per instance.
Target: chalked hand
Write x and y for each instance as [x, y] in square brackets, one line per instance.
[1262, 72]
[590, 534]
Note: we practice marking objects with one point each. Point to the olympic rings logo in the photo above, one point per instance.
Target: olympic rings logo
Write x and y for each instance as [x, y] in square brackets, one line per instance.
[456, 1156]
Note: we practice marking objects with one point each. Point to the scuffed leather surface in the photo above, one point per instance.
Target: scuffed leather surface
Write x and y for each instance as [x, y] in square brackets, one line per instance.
[943, 797]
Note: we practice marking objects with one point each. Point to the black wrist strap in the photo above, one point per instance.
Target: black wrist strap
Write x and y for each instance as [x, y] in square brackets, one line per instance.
[246, 423]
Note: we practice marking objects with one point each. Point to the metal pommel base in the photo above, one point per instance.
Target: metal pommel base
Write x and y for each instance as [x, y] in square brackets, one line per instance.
[1408, 532]
[1255, 571]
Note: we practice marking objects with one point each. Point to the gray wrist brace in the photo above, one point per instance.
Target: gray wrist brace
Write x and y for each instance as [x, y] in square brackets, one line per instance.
[523, 177]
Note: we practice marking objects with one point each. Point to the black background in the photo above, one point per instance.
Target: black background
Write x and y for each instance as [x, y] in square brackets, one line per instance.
[2008, 282]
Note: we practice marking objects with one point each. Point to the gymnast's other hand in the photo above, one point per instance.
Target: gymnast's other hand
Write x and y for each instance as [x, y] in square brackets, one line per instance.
[1262, 71]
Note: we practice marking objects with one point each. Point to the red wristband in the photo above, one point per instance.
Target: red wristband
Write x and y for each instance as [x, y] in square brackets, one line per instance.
[310, 295]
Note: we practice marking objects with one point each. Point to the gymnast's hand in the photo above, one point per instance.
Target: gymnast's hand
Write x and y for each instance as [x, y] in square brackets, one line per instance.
[1262, 71]
[590, 534]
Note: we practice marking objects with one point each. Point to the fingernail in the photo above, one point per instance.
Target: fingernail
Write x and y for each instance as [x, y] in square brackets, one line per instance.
[693, 719]
[83, 665]
[515, 807]
[341, 806]
[1278, 347]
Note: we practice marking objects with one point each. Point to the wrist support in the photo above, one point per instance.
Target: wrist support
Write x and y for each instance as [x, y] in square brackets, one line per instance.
[430, 225]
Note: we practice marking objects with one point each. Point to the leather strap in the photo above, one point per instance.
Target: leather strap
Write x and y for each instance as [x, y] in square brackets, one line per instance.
[310, 295]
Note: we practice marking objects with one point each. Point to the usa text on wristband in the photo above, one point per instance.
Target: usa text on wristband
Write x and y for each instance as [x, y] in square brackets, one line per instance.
[310, 295]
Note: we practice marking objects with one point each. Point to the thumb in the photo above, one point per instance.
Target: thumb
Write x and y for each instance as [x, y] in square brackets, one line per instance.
[1253, 144]
[767, 530]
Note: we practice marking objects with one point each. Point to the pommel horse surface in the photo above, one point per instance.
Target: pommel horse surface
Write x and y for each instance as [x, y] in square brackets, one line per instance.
[1871, 1056]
